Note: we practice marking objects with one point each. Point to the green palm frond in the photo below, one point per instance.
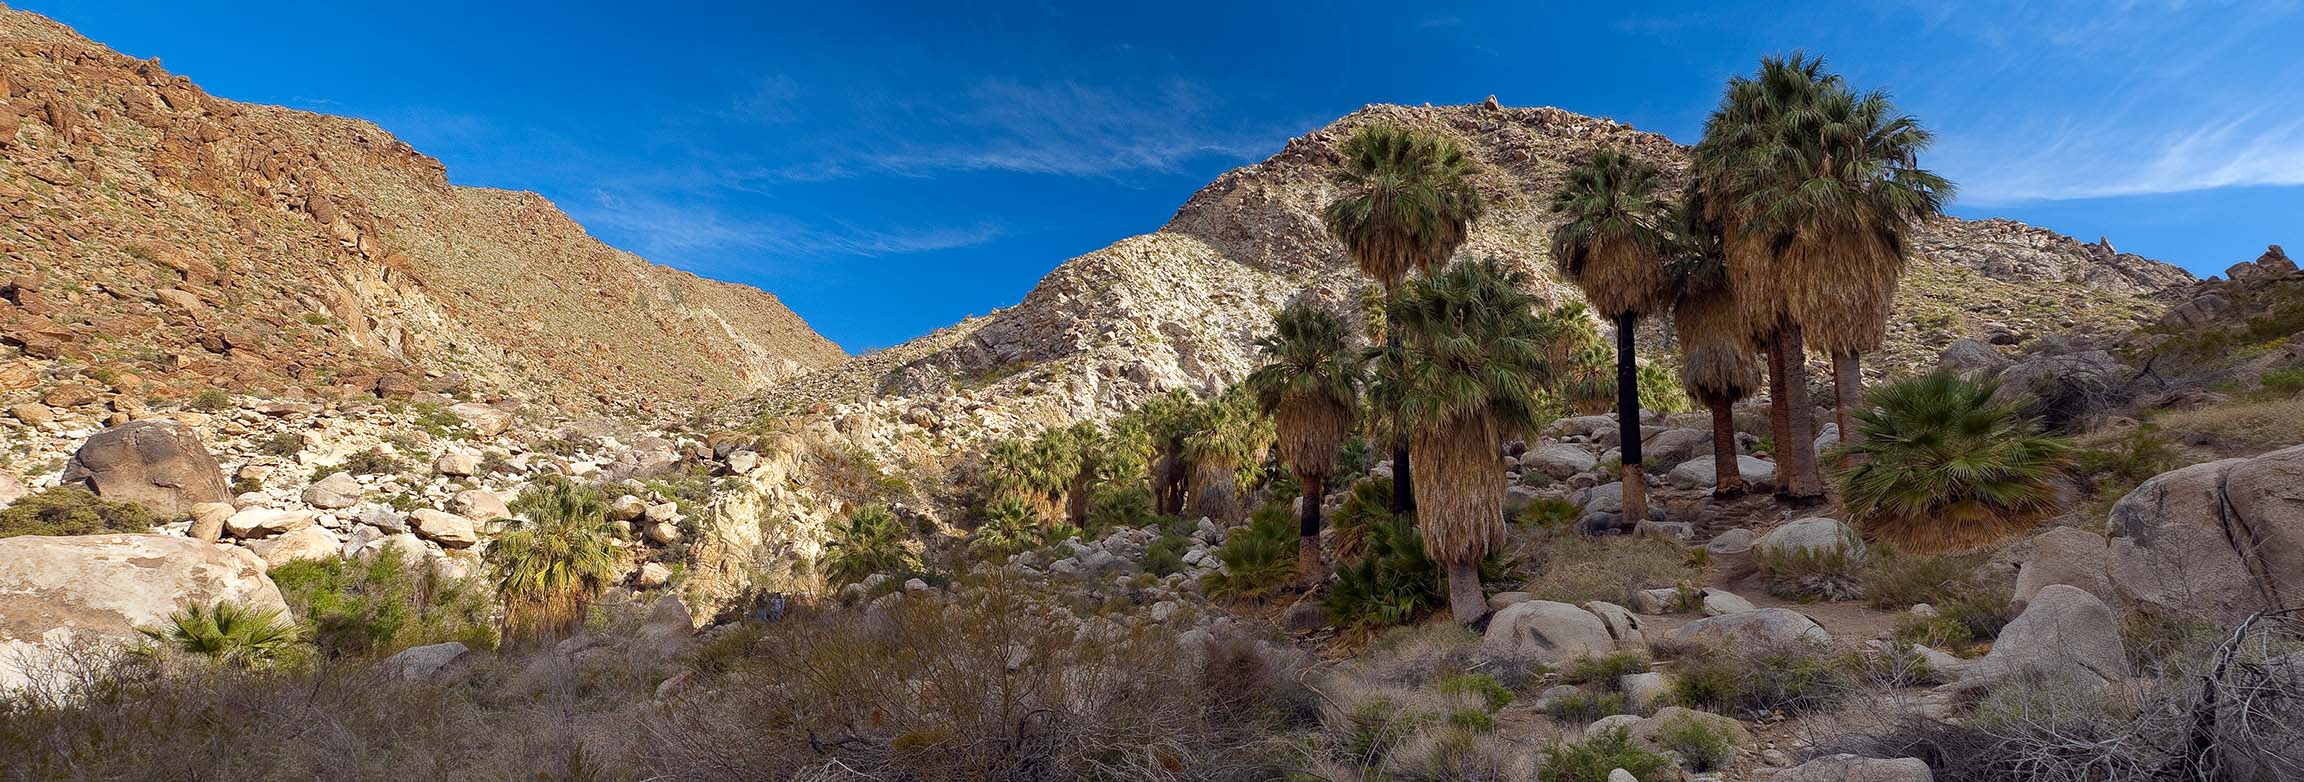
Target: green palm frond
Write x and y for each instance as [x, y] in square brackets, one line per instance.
[1942, 466]
[1408, 201]
[227, 632]
[558, 554]
[870, 541]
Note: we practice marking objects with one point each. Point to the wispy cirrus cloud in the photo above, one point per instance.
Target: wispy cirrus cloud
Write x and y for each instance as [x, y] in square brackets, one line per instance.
[658, 227]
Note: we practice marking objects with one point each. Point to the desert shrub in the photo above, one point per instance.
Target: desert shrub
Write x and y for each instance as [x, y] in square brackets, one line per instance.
[351, 608]
[1164, 556]
[2155, 638]
[1591, 758]
[228, 633]
[1259, 557]
[1606, 671]
[2284, 381]
[1550, 513]
[1412, 655]
[1574, 569]
[1938, 632]
[1893, 581]
[842, 695]
[1119, 504]
[1982, 611]
[1392, 582]
[438, 422]
[1753, 682]
[1583, 706]
[71, 510]
[209, 400]
[1701, 748]
[1941, 466]
[366, 461]
[1458, 754]
[2238, 427]
[870, 541]
[1481, 685]
[1811, 573]
[281, 444]
[2115, 467]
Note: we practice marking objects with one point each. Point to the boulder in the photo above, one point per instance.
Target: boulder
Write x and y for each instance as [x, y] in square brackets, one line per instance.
[424, 663]
[2063, 633]
[1657, 601]
[447, 529]
[2266, 497]
[1549, 631]
[1621, 623]
[1721, 602]
[479, 504]
[1701, 471]
[1766, 626]
[1973, 358]
[457, 464]
[484, 420]
[208, 521]
[58, 593]
[626, 508]
[1826, 437]
[2173, 539]
[310, 543]
[1669, 448]
[652, 575]
[1855, 768]
[262, 522]
[2064, 555]
[1814, 535]
[338, 490]
[410, 547]
[159, 464]
[1558, 460]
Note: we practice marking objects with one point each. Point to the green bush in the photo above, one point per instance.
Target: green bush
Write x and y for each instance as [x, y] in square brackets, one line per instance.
[1701, 748]
[870, 541]
[1119, 504]
[1757, 682]
[229, 633]
[209, 400]
[1392, 582]
[367, 461]
[1550, 513]
[2286, 381]
[1574, 569]
[1260, 557]
[1165, 554]
[71, 510]
[1894, 581]
[1486, 687]
[357, 609]
[281, 444]
[1009, 527]
[1593, 757]
[2114, 468]
[1605, 672]
[1938, 632]
[1941, 466]
[1811, 573]
[1584, 706]
[1366, 505]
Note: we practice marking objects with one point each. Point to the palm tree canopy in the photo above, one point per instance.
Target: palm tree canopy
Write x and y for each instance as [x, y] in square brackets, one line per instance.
[1408, 201]
[1612, 243]
[1818, 185]
[1309, 385]
[1471, 344]
[560, 545]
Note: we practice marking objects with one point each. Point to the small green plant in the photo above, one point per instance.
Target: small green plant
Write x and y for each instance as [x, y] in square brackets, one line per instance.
[551, 561]
[1753, 682]
[871, 541]
[1393, 580]
[1701, 748]
[209, 400]
[367, 461]
[1937, 632]
[2285, 381]
[1260, 557]
[1010, 526]
[2114, 468]
[1550, 513]
[229, 633]
[1595, 756]
[1119, 504]
[352, 608]
[1812, 573]
[71, 510]
[280, 444]
[1490, 691]
[1165, 554]
[1584, 706]
[1894, 581]
[1605, 672]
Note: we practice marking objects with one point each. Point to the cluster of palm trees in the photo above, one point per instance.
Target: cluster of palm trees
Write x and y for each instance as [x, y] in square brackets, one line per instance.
[1790, 232]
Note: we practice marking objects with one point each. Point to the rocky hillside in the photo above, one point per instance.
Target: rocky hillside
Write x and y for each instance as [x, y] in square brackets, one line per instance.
[1182, 307]
[159, 240]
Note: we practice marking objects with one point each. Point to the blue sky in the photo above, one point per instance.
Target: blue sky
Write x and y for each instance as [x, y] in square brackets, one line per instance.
[887, 169]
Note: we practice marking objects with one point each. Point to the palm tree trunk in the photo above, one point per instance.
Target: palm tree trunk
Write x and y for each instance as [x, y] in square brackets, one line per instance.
[1628, 423]
[1403, 479]
[1847, 391]
[1797, 478]
[1779, 417]
[1727, 476]
[1308, 571]
[1466, 602]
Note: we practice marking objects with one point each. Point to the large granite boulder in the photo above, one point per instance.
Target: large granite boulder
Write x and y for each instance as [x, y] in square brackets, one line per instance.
[2063, 555]
[59, 595]
[159, 464]
[1549, 631]
[2064, 634]
[1666, 449]
[1815, 535]
[1763, 627]
[1558, 460]
[1855, 768]
[1701, 471]
[2219, 540]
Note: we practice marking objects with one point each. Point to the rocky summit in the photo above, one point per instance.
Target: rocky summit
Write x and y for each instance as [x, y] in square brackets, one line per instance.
[175, 241]
[1182, 307]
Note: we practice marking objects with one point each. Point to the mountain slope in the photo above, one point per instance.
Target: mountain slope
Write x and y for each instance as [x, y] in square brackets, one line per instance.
[156, 231]
[1181, 307]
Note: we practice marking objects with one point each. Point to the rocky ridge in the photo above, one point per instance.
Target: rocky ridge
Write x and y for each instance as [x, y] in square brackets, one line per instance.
[160, 240]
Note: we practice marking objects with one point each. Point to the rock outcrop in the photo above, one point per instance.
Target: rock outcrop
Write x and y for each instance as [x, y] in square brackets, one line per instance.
[2219, 540]
[61, 597]
[159, 464]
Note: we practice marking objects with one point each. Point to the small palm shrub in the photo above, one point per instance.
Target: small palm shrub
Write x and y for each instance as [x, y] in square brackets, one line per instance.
[1367, 505]
[1593, 757]
[1119, 504]
[1392, 582]
[870, 541]
[71, 510]
[229, 633]
[1660, 389]
[1940, 466]
[356, 609]
[1165, 554]
[1260, 557]
[550, 561]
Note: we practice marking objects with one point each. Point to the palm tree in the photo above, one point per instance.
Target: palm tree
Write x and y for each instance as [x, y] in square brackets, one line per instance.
[1407, 204]
[1471, 369]
[1225, 449]
[1750, 144]
[1720, 364]
[230, 633]
[1310, 386]
[1942, 466]
[553, 558]
[1612, 247]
